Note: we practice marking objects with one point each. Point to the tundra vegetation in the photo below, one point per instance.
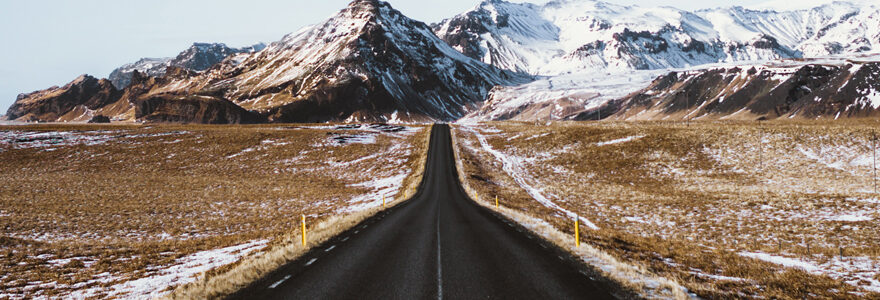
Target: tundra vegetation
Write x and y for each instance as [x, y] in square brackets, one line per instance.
[133, 210]
[727, 209]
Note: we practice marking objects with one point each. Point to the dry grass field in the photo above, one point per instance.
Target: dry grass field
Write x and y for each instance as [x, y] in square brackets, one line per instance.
[132, 211]
[728, 210]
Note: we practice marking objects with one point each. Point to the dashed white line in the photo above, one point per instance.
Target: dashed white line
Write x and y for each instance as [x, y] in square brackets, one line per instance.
[356, 231]
[439, 262]
[331, 248]
[344, 239]
[311, 261]
[279, 282]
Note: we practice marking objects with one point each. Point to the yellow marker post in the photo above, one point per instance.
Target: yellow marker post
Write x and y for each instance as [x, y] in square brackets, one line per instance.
[577, 234]
[383, 201]
[304, 229]
[496, 201]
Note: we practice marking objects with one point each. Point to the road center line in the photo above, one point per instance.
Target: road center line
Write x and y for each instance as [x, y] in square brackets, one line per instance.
[311, 261]
[439, 261]
[279, 282]
[331, 248]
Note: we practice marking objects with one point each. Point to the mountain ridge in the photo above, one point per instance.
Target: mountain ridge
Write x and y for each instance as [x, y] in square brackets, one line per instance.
[366, 63]
[198, 57]
[566, 59]
[570, 36]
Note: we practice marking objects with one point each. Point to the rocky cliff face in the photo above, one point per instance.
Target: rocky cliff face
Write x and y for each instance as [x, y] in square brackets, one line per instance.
[88, 97]
[846, 90]
[198, 57]
[75, 101]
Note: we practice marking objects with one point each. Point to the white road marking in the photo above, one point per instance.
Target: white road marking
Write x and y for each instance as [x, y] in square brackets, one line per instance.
[311, 261]
[344, 239]
[279, 282]
[356, 231]
[331, 248]
[439, 261]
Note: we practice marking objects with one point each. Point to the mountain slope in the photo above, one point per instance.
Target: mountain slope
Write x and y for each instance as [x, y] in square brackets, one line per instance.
[369, 62]
[566, 36]
[76, 101]
[198, 57]
[846, 89]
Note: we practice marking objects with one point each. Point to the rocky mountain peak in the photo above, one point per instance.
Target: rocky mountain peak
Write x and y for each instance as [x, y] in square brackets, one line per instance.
[83, 79]
[368, 62]
[198, 57]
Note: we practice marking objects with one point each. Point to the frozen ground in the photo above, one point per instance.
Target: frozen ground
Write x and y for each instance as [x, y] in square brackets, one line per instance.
[792, 194]
[130, 212]
[160, 278]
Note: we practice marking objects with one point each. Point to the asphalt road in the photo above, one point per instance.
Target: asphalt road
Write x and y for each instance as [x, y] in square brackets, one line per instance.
[437, 245]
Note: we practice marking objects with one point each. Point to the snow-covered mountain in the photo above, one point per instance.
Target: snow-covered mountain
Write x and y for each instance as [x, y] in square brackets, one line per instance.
[808, 89]
[198, 57]
[368, 62]
[571, 36]
[590, 50]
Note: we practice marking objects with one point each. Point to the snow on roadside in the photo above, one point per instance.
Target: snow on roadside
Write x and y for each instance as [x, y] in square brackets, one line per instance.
[513, 166]
[388, 187]
[652, 286]
[379, 185]
[186, 270]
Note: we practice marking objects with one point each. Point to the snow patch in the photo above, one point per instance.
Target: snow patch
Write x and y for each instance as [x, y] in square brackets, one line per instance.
[513, 166]
[186, 270]
[620, 140]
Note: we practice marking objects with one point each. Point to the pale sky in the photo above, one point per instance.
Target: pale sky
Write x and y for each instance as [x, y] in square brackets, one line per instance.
[51, 42]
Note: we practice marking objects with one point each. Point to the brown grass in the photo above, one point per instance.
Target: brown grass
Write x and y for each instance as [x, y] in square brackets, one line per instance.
[146, 196]
[684, 201]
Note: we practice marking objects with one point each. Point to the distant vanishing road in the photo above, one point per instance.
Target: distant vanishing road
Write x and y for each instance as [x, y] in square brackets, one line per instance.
[438, 245]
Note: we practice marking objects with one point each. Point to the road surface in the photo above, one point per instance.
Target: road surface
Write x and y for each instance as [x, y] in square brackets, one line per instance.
[440, 244]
